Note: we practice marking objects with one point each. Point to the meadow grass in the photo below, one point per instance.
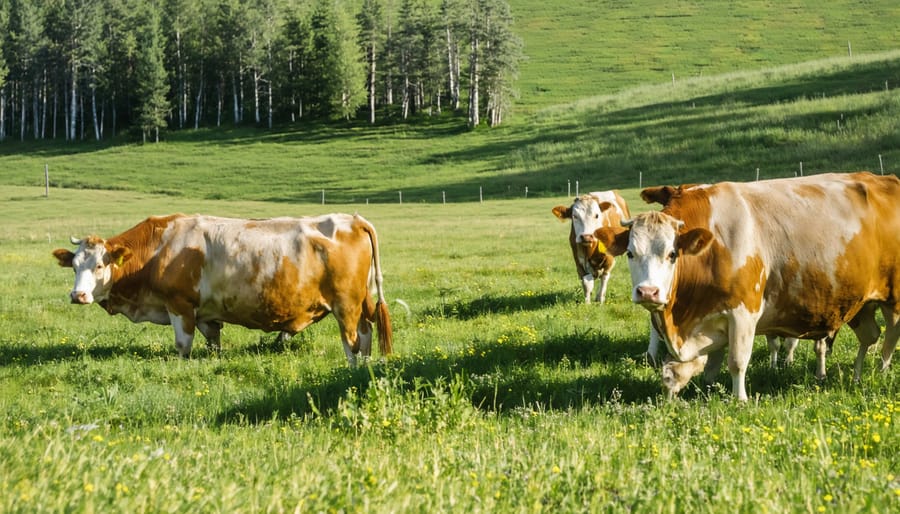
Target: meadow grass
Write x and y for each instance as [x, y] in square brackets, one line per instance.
[505, 394]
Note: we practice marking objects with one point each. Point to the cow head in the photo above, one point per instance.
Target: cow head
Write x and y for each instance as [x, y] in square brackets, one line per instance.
[654, 242]
[93, 263]
[588, 214]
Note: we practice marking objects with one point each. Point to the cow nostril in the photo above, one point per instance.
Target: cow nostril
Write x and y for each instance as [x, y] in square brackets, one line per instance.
[648, 292]
[587, 238]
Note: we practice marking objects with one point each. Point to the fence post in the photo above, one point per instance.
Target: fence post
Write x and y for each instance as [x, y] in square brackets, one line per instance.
[526, 191]
[640, 180]
[576, 188]
[757, 174]
[47, 180]
[444, 197]
[880, 164]
[323, 197]
[569, 188]
[401, 196]
[801, 168]
[480, 195]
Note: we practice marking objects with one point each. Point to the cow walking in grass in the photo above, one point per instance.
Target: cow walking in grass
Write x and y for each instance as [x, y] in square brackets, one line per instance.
[795, 257]
[198, 272]
[589, 213]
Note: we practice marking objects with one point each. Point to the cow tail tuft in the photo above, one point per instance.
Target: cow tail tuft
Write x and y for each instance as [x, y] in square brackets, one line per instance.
[385, 332]
[382, 315]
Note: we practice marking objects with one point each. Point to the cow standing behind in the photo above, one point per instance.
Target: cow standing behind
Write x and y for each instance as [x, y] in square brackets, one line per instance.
[589, 213]
[198, 272]
[791, 257]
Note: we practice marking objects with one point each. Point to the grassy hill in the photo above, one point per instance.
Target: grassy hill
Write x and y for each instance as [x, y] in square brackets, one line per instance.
[583, 48]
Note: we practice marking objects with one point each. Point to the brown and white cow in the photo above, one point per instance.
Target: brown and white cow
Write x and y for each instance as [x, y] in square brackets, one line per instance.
[198, 272]
[793, 257]
[589, 213]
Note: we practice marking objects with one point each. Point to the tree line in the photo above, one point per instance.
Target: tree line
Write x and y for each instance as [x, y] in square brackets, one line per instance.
[81, 69]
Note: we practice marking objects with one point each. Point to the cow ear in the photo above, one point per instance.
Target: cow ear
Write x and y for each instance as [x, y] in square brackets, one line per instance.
[658, 194]
[63, 257]
[613, 241]
[119, 255]
[694, 241]
[562, 212]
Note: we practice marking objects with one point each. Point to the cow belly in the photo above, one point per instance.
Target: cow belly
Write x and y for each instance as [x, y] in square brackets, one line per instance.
[257, 312]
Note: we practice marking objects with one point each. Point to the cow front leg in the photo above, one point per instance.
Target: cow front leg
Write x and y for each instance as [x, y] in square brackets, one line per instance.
[741, 333]
[212, 331]
[713, 366]
[601, 291]
[587, 284]
[184, 333]
[653, 347]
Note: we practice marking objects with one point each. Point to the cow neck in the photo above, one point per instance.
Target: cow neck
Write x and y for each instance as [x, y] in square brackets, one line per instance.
[143, 240]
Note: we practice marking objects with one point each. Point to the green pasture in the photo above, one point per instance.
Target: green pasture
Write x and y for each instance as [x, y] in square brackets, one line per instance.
[505, 393]
[584, 48]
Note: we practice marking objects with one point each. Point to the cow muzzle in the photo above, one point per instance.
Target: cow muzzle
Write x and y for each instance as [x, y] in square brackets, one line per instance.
[81, 297]
[648, 297]
[586, 239]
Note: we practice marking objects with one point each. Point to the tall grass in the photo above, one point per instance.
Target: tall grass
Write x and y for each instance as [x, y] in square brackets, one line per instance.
[506, 394]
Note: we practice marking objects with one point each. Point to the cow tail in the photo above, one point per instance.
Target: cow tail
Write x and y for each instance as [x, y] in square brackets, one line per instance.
[382, 316]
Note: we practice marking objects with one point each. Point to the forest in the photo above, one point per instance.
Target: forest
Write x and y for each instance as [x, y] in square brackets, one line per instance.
[93, 69]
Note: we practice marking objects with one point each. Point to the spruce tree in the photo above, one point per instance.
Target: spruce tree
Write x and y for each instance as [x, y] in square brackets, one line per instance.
[152, 77]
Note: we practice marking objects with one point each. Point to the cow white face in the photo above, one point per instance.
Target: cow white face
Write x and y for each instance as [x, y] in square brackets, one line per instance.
[588, 214]
[93, 264]
[655, 244]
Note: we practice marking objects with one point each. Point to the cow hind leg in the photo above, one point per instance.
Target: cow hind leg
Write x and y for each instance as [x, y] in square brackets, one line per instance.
[774, 346]
[349, 320]
[821, 346]
[866, 329]
[790, 346]
[891, 334]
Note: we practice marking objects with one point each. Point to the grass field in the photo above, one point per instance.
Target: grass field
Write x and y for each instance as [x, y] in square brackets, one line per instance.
[584, 48]
[505, 394]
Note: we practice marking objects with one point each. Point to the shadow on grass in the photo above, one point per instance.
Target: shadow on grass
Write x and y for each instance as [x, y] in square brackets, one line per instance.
[569, 372]
[489, 304]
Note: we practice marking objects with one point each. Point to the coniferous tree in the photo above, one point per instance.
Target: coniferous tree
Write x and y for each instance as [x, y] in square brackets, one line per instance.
[502, 51]
[351, 71]
[152, 77]
[371, 23]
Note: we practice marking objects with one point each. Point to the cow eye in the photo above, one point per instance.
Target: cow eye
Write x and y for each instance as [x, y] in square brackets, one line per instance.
[673, 255]
[629, 254]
